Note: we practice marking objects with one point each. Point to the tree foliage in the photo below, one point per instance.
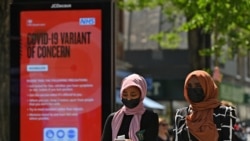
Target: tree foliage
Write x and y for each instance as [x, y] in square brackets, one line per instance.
[228, 22]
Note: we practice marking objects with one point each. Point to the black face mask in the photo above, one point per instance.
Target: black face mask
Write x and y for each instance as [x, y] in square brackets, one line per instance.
[195, 94]
[131, 103]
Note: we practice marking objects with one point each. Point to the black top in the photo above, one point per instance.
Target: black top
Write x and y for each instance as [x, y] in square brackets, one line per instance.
[149, 123]
[224, 117]
[160, 139]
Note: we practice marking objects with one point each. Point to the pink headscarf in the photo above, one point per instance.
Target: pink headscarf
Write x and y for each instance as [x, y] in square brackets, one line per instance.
[131, 80]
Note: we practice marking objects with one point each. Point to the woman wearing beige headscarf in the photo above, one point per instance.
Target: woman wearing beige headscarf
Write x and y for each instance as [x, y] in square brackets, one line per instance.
[205, 119]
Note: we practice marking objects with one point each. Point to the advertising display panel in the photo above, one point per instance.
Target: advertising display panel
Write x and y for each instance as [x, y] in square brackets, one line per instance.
[57, 72]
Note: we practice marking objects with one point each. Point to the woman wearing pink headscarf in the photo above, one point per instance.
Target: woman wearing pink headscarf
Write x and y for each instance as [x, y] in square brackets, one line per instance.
[132, 121]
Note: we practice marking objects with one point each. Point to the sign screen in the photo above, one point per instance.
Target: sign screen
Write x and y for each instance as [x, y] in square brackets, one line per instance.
[60, 75]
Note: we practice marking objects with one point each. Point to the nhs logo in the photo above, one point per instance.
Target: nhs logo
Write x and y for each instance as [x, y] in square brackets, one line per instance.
[87, 21]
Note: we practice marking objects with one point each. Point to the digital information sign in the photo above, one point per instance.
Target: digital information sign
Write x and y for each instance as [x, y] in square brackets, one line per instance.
[60, 77]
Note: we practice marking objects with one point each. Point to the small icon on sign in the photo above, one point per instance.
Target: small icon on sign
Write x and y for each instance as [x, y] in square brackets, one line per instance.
[60, 133]
[71, 134]
[49, 134]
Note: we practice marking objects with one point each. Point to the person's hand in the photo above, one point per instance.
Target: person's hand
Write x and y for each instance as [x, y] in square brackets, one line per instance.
[128, 140]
